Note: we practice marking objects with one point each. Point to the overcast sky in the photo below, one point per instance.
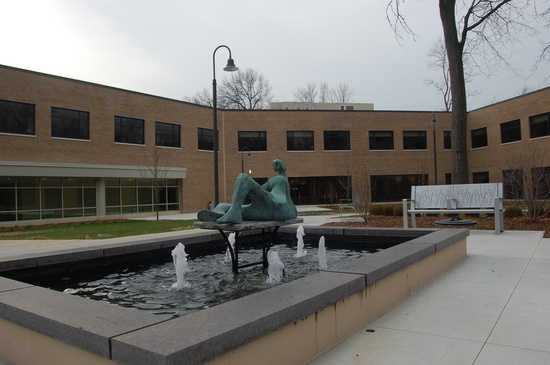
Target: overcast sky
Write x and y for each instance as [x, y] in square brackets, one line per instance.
[164, 47]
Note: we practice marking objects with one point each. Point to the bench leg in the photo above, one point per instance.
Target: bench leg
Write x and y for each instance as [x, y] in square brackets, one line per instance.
[413, 219]
[405, 214]
[499, 216]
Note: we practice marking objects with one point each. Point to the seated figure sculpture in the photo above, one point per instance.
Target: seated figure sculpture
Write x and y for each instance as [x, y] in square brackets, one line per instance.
[270, 201]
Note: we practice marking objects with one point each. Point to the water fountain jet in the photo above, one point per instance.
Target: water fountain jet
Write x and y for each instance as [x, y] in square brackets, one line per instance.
[179, 257]
[322, 254]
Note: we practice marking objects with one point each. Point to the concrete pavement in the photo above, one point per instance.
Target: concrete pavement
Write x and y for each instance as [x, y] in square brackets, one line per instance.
[491, 308]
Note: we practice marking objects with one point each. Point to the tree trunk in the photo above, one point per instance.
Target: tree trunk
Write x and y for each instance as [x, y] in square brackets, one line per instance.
[455, 50]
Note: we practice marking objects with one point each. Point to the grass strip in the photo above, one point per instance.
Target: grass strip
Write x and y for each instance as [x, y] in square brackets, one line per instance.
[93, 230]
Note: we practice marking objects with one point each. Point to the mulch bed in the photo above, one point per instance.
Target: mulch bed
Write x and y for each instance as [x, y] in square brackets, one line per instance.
[485, 223]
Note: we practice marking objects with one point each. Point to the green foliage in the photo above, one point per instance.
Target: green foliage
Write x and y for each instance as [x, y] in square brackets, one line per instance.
[95, 230]
[513, 211]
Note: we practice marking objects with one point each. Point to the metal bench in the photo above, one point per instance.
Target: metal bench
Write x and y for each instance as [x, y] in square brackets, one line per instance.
[456, 199]
[271, 226]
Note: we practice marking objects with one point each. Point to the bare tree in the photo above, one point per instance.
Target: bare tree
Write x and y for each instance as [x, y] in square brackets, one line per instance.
[203, 97]
[342, 93]
[155, 172]
[438, 61]
[247, 89]
[362, 189]
[307, 94]
[528, 182]
[324, 93]
[488, 26]
[331, 192]
[346, 181]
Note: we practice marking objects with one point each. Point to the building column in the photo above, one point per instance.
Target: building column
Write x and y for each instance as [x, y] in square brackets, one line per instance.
[100, 197]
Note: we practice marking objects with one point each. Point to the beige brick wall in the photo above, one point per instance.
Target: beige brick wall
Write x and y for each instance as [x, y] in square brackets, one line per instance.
[494, 158]
[104, 103]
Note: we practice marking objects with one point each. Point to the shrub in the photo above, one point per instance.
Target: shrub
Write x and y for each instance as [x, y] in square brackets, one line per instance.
[377, 210]
[398, 210]
[513, 211]
[388, 211]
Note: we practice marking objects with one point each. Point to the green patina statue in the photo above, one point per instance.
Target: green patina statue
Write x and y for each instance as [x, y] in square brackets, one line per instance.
[270, 201]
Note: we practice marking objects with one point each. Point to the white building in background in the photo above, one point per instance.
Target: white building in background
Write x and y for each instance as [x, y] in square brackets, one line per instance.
[298, 105]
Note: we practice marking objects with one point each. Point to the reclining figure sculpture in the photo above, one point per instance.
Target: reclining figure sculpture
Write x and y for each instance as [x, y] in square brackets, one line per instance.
[270, 201]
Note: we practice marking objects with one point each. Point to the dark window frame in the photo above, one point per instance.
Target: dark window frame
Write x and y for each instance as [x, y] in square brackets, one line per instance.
[381, 141]
[336, 140]
[17, 118]
[539, 125]
[300, 141]
[479, 137]
[129, 130]
[253, 140]
[171, 131]
[510, 131]
[481, 177]
[415, 140]
[205, 139]
[446, 140]
[70, 123]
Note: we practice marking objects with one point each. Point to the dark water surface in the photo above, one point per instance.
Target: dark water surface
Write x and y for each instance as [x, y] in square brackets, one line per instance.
[146, 284]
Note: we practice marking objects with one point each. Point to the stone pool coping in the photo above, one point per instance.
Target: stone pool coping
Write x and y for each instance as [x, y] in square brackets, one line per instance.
[130, 336]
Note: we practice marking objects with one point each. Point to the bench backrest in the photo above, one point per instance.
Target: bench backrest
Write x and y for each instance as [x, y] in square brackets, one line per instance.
[462, 196]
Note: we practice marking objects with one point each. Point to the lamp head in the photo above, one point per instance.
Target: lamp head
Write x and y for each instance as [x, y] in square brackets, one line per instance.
[230, 66]
[434, 122]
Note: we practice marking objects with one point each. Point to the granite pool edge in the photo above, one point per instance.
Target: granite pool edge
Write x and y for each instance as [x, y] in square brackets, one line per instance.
[130, 336]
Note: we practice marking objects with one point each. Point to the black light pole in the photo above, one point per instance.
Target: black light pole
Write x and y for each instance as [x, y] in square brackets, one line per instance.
[230, 67]
[242, 157]
[434, 123]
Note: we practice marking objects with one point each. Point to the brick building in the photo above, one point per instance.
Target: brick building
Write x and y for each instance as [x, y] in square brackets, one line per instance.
[77, 150]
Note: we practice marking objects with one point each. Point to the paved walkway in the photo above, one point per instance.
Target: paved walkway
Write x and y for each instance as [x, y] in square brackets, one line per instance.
[13, 248]
[492, 308]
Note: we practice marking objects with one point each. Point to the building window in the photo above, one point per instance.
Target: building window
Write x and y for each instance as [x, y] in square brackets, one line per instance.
[128, 195]
[206, 139]
[480, 177]
[67, 123]
[392, 188]
[299, 141]
[510, 131]
[30, 198]
[414, 140]
[16, 118]
[479, 137]
[447, 140]
[512, 181]
[380, 140]
[336, 140]
[129, 130]
[254, 140]
[540, 125]
[347, 107]
[167, 135]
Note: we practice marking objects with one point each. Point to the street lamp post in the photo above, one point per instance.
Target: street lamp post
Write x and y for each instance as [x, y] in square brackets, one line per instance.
[242, 157]
[434, 123]
[230, 67]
